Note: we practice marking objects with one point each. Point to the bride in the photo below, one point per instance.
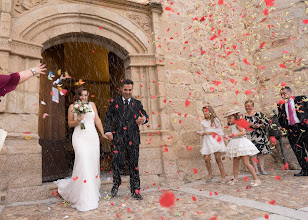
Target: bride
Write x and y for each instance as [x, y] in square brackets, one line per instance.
[82, 189]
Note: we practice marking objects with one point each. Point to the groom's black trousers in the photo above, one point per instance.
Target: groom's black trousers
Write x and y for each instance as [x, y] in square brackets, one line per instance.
[118, 163]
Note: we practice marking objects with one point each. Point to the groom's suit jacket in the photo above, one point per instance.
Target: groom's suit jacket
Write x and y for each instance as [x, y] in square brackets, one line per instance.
[122, 122]
[301, 108]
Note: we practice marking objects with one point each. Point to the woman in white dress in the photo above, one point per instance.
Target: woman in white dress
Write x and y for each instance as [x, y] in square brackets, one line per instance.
[82, 189]
[212, 141]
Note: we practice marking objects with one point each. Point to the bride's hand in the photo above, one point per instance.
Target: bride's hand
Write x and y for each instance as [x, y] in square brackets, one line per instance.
[80, 117]
[104, 136]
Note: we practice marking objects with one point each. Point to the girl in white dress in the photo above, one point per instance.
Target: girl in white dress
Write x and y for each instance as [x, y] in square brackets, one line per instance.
[240, 148]
[82, 189]
[212, 141]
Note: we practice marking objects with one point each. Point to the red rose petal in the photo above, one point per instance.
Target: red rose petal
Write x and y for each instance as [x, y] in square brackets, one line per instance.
[167, 199]
[273, 202]
[187, 102]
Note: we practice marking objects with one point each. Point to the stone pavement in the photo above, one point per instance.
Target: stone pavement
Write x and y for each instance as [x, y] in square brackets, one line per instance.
[280, 197]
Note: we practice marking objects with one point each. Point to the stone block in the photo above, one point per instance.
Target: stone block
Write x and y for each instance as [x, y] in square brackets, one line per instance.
[21, 23]
[27, 194]
[177, 64]
[150, 153]
[44, 12]
[170, 167]
[67, 8]
[15, 102]
[152, 141]
[154, 167]
[173, 180]
[31, 103]
[178, 106]
[169, 153]
[19, 123]
[187, 166]
[3, 104]
[4, 61]
[24, 170]
[184, 123]
[6, 6]
[161, 74]
[161, 90]
[290, 13]
[175, 91]
[283, 4]
[190, 138]
[180, 78]
[302, 28]
[3, 173]
[275, 53]
[5, 24]
[171, 29]
[149, 181]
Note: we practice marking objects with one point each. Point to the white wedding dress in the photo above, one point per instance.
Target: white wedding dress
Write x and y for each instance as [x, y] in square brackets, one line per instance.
[82, 189]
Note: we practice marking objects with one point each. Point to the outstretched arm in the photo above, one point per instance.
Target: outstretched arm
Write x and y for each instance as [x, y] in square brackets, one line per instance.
[27, 74]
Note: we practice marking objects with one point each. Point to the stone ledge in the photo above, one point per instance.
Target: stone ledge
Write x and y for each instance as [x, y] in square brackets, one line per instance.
[12, 146]
[26, 194]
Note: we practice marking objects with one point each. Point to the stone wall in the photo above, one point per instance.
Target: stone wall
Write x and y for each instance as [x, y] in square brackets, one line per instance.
[224, 54]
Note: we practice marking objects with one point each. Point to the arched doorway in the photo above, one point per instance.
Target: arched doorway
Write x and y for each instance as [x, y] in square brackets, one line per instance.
[75, 60]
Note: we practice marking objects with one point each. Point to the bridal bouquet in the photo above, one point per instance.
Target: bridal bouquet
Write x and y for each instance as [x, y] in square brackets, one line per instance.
[81, 108]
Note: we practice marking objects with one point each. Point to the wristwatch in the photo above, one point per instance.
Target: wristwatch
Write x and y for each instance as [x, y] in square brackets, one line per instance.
[33, 71]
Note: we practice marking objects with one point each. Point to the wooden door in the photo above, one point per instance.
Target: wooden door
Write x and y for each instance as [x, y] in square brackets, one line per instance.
[52, 128]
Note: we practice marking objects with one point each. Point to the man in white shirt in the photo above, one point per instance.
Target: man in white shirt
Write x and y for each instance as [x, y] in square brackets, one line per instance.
[293, 118]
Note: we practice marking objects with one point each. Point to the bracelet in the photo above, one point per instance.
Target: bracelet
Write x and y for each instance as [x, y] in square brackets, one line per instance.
[33, 71]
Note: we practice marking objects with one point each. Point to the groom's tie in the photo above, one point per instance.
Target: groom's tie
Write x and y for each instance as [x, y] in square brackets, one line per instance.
[125, 109]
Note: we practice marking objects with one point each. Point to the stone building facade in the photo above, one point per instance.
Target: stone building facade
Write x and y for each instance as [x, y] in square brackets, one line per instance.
[181, 54]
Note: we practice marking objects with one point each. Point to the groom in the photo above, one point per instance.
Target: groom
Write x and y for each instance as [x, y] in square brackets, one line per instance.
[122, 121]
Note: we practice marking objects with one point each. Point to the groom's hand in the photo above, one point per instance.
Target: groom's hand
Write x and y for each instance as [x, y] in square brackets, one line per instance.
[109, 135]
[141, 119]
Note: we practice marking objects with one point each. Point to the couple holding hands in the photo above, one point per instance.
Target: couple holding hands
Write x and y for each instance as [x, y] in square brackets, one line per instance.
[123, 118]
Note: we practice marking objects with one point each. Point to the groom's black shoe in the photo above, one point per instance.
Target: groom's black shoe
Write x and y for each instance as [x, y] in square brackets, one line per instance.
[137, 196]
[114, 191]
[302, 173]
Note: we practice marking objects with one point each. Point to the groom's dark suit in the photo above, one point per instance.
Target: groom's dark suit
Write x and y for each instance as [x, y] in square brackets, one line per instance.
[297, 133]
[121, 121]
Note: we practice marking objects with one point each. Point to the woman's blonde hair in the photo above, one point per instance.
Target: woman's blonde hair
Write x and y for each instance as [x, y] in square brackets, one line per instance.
[212, 113]
[249, 101]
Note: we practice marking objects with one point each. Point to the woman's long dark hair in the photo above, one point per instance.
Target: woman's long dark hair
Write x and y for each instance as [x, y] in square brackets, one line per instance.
[78, 93]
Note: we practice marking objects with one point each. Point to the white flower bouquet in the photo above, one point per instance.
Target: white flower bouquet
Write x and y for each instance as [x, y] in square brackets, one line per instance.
[81, 108]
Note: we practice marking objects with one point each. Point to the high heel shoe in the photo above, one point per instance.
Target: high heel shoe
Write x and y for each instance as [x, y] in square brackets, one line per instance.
[256, 183]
